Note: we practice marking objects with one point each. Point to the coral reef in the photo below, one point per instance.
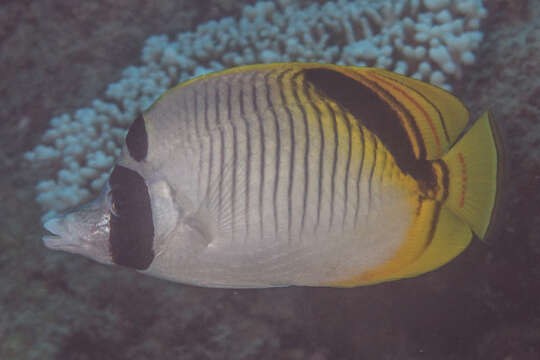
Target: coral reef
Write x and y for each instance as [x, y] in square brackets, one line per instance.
[430, 40]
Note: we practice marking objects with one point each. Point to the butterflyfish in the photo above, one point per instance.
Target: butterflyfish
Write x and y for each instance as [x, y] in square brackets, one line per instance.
[293, 174]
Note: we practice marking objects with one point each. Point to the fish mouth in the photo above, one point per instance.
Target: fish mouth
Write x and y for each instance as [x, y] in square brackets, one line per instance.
[53, 239]
[59, 237]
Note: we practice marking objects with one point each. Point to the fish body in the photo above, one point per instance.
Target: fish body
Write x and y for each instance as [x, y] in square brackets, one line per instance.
[292, 174]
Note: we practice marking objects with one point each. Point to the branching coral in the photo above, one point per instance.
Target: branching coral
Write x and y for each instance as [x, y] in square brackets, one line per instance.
[429, 40]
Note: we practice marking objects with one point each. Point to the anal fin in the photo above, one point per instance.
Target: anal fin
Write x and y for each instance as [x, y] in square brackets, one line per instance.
[451, 237]
[425, 248]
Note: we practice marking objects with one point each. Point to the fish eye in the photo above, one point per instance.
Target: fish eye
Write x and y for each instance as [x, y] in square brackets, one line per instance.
[111, 204]
[114, 210]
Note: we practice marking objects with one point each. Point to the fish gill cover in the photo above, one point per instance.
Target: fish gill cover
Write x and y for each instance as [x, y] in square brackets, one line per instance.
[430, 40]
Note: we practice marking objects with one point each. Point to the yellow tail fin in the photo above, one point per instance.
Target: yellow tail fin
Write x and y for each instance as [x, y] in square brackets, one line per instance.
[475, 168]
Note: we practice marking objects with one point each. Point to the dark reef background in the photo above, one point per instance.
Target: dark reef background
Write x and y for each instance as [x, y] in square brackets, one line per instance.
[58, 56]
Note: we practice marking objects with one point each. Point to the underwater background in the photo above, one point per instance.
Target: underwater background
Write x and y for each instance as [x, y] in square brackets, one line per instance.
[58, 56]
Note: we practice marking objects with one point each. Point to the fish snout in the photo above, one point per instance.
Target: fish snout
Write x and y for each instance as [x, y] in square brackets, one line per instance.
[62, 234]
[83, 230]
[53, 239]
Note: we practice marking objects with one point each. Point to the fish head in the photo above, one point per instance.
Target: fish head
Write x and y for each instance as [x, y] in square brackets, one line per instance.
[126, 225]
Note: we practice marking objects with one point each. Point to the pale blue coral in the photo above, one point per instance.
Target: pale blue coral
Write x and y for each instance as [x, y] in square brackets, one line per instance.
[429, 40]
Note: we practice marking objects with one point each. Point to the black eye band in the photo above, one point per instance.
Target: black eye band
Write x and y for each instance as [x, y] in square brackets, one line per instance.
[132, 228]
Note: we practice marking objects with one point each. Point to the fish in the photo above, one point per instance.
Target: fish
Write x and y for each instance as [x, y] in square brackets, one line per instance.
[293, 174]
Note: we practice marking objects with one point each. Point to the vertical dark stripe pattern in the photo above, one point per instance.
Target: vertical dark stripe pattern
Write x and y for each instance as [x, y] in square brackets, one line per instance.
[262, 151]
[385, 155]
[278, 147]
[433, 224]
[334, 162]
[187, 120]
[199, 139]
[292, 152]
[309, 97]
[348, 164]
[221, 152]
[359, 174]
[307, 136]
[234, 165]
[210, 140]
[372, 171]
[248, 150]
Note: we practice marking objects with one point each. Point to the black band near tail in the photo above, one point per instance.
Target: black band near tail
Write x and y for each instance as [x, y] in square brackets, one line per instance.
[376, 114]
[131, 236]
